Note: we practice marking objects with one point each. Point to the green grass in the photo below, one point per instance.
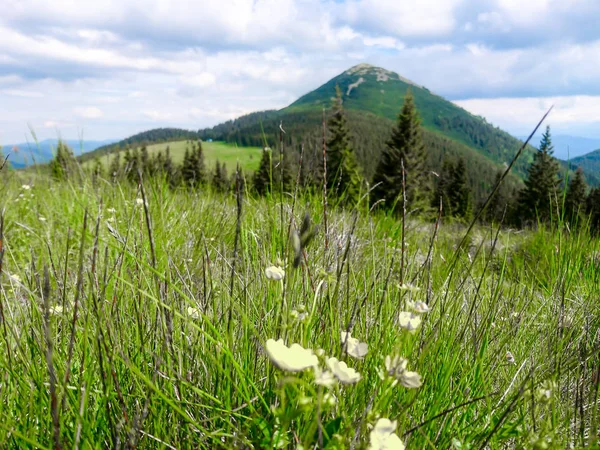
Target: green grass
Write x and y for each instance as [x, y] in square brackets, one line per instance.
[125, 364]
[230, 154]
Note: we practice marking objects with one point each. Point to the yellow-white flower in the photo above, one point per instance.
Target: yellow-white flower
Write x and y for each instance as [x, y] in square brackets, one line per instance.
[274, 273]
[56, 309]
[383, 436]
[26, 187]
[140, 201]
[342, 372]
[293, 359]
[194, 313]
[421, 308]
[396, 368]
[42, 219]
[353, 346]
[510, 358]
[409, 320]
[409, 287]
[111, 210]
[324, 377]
[411, 380]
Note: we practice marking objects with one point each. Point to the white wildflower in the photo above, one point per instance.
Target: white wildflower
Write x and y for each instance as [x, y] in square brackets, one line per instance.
[15, 279]
[111, 210]
[140, 201]
[409, 287]
[421, 308]
[293, 359]
[42, 219]
[26, 187]
[384, 437]
[409, 321]
[411, 380]
[353, 346]
[274, 273]
[56, 309]
[324, 377]
[194, 313]
[342, 372]
[396, 368]
[509, 358]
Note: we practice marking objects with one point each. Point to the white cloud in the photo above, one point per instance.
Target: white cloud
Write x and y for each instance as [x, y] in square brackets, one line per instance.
[523, 113]
[194, 64]
[88, 112]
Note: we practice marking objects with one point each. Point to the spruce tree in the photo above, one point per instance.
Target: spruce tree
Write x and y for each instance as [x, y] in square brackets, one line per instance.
[460, 194]
[443, 186]
[187, 168]
[145, 161]
[220, 180]
[575, 198]
[64, 164]
[538, 200]
[454, 190]
[168, 168]
[405, 146]
[496, 210]
[199, 165]
[593, 209]
[261, 181]
[343, 172]
[114, 170]
[132, 164]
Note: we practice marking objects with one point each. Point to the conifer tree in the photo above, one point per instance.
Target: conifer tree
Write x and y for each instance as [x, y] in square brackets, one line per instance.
[405, 146]
[132, 164]
[575, 198]
[63, 165]
[460, 194]
[343, 172]
[261, 181]
[454, 190]
[168, 168]
[187, 168]
[145, 161]
[98, 169]
[496, 210]
[593, 209]
[443, 187]
[539, 197]
[114, 170]
[220, 180]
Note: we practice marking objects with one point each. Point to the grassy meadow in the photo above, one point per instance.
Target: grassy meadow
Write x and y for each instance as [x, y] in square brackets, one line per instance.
[230, 154]
[132, 323]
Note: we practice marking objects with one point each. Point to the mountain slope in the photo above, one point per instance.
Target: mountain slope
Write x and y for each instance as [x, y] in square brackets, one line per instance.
[590, 164]
[381, 92]
[372, 98]
[154, 136]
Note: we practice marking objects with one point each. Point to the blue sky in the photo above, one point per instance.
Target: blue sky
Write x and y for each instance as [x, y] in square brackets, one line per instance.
[111, 68]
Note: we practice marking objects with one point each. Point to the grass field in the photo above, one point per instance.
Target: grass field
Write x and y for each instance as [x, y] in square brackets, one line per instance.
[132, 324]
[230, 154]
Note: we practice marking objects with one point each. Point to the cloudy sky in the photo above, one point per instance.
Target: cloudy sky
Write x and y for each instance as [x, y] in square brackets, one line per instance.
[111, 68]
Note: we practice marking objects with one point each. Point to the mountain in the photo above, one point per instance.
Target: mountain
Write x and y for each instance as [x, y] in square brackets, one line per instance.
[28, 153]
[154, 136]
[373, 98]
[568, 147]
[590, 163]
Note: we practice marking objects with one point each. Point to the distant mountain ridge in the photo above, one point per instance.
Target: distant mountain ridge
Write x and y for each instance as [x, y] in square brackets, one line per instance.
[29, 153]
[568, 147]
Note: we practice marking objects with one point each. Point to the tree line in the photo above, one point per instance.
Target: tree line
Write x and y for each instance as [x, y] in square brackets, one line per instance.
[402, 176]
